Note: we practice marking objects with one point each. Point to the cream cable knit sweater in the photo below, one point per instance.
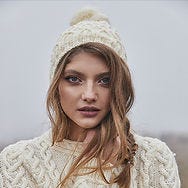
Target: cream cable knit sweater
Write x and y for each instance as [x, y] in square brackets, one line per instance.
[35, 163]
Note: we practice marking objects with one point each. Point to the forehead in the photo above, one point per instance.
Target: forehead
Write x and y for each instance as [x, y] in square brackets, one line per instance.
[87, 63]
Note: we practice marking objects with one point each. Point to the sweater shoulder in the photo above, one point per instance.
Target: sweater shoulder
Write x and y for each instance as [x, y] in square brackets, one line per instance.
[153, 151]
[23, 163]
[152, 145]
[156, 163]
[20, 148]
[16, 155]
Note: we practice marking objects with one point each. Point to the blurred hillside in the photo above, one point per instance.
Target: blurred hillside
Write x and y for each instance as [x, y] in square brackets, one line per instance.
[178, 143]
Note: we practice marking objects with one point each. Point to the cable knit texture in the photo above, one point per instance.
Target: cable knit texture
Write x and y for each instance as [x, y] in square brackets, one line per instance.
[35, 163]
[88, 25]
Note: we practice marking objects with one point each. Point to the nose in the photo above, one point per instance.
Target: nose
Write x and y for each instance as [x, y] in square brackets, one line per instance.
[89, 93]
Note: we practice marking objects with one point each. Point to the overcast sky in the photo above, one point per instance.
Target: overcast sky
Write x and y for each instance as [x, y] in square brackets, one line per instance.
[155, 34]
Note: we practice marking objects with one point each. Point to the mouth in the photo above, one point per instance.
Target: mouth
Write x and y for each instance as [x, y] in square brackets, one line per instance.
[88, 108]
[89, 111]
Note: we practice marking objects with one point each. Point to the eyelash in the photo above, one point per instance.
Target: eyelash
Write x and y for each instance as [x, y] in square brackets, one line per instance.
[68, 78]
[108, 79]
[78, 80]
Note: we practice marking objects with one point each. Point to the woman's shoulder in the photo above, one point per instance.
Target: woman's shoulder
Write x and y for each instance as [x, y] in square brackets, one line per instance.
[23, 148]
[28, 163]
[149, 144]
[153, 148]
[155, 162]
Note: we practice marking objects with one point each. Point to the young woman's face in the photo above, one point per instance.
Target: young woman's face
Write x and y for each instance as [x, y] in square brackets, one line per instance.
[84, 91]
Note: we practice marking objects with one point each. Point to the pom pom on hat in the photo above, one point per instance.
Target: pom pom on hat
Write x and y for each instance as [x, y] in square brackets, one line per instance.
[88, 25]
[88, 14]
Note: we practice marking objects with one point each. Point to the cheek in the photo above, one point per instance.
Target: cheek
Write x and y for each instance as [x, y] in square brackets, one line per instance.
[67, 94]
[106, 98]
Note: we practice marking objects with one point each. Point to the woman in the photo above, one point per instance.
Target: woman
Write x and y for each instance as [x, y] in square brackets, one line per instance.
[90, 143]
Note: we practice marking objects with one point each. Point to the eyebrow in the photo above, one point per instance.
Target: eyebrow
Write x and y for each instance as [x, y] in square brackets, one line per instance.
[71, 71]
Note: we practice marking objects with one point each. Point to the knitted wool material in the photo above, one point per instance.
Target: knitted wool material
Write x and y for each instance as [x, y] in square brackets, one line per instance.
[88, 25]
[36, 164]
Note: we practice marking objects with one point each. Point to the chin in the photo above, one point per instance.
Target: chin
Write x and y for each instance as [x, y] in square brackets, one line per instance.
[87, 123]
[89, 126]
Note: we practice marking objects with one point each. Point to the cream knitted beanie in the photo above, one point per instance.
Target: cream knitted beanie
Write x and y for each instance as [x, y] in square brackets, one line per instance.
[88, 25]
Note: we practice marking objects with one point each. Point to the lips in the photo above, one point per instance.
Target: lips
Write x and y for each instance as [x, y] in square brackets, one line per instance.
[88, 108]
[89, 111]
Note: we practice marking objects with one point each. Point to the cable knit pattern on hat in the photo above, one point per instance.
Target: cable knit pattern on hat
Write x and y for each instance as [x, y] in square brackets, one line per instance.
[35, 163]
[88, 25]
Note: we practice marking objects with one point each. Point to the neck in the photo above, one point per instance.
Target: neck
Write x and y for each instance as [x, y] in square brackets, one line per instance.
[76, 133]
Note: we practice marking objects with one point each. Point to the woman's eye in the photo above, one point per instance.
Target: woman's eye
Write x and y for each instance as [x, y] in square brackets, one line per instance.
[73, 79]
[105, 81]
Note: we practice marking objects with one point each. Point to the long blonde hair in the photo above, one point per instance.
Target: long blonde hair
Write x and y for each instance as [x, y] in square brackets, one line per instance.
[114, 124]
